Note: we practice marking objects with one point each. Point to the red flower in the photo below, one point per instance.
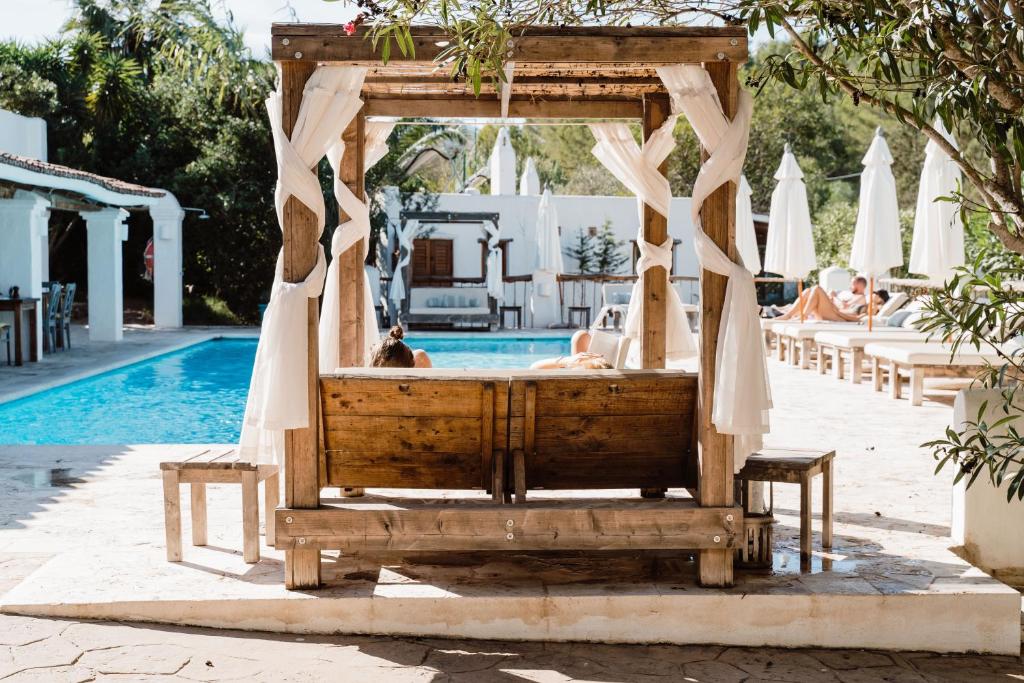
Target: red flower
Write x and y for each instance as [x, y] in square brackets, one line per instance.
[350, 28]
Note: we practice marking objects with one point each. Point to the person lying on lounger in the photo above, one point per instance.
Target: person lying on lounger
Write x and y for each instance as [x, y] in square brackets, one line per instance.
[580, 358]
[392, 352]
[848, 300]
[819, 305]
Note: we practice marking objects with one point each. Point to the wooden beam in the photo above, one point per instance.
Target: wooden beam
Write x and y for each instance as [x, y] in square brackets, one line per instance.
[506, 88]
[641, 45]
[302, 485]
[718, 217]
[655, 229]
[468, 106]
[352, 281]
[590, 524]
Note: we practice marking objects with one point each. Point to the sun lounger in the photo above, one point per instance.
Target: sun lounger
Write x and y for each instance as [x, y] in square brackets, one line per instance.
[918, 361]
[615, 304]
[797, 339]
[838, 346]
[775, 330]
[613, 347]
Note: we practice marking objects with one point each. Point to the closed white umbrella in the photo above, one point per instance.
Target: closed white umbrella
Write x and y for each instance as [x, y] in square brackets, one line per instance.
[503, 164]
[790, 249]
[529, 183]
[746, 237]
[494, 279]
[938, 245]
[877, 245]
[543, 301]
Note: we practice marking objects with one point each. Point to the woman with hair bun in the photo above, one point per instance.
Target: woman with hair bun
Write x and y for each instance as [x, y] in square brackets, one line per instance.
[392, 352]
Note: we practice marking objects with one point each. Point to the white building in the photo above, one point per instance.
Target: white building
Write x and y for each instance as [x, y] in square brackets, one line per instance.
[31, 188]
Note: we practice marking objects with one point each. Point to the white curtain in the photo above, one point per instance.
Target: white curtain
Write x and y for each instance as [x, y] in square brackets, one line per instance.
[346, 235]
[746, 236]
[495, 282]
[637, 169]
[279, 391]
[742, 397]
[405, 236]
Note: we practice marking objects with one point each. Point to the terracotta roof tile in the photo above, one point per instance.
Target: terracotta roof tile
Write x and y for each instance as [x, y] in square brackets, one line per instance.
[111, 184]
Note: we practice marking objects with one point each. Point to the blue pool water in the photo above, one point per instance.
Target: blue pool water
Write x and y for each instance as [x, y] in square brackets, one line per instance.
[197, 395]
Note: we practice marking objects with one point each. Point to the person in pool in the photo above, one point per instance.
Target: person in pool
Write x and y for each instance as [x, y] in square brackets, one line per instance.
[392, 352]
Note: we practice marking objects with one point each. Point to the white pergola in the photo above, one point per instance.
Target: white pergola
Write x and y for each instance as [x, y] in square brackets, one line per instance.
[30, 189]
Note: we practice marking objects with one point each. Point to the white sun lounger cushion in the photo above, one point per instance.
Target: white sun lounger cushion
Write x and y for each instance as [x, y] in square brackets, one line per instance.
[930, 354]
[808, 330]
[895, 303]
[858, 338]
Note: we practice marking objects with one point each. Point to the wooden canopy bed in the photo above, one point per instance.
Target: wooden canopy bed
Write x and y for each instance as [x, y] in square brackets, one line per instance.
[517, 432]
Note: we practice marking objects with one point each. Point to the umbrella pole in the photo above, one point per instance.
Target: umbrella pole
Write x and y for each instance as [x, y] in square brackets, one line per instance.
[800, 297]
[871, 301]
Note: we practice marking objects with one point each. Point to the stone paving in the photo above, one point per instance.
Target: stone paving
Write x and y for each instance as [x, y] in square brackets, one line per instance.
[886, 495]
[54, 651]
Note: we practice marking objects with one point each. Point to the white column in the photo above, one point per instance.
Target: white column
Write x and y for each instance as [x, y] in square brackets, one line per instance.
[23, 226]
[106, 231]
[167, 217]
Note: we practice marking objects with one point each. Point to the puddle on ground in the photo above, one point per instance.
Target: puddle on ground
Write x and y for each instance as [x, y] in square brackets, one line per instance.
[788, 562]
[46, 477]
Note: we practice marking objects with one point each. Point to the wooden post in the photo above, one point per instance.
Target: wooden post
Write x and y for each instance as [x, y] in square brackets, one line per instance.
[800, 297]
[652, 315]
[718, 217]
[352, 281]
[871, 301]
[302, 483]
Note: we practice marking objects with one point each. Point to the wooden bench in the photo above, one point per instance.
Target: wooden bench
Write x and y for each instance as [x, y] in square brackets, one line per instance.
[441, 430]
[795, 466]
[218, 466]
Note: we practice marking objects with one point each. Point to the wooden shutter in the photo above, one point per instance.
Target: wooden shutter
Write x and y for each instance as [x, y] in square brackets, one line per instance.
[420, 262]
[441, 258]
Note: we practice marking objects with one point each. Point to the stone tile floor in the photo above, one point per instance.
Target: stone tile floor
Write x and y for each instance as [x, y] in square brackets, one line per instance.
[886, 495]
[55, 651]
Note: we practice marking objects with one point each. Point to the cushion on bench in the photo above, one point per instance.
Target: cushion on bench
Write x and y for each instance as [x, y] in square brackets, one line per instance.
[929, 354]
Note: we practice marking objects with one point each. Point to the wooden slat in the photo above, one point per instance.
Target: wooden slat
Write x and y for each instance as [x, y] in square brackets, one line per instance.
[323, 44]
[352, 281]
[285, 28]
[486, 427]
[536, 525]
[718, 217]
[390, 434]
[655, 231]
[670, 393]
[533, 108]
[302, 484]
[613, 433]
[412, 469]
[370, 396]
[607, 470]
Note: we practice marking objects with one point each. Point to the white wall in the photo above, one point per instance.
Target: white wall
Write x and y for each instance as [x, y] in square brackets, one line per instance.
[988, 527]
[519, 223]
[22, 135]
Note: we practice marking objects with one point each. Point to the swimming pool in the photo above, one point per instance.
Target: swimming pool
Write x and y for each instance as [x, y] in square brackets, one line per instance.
[197, 394]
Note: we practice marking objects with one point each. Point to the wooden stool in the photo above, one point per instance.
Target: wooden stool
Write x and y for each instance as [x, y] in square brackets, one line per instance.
[583, 312]
[795, 466]
[218, 466]
[517, 312]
